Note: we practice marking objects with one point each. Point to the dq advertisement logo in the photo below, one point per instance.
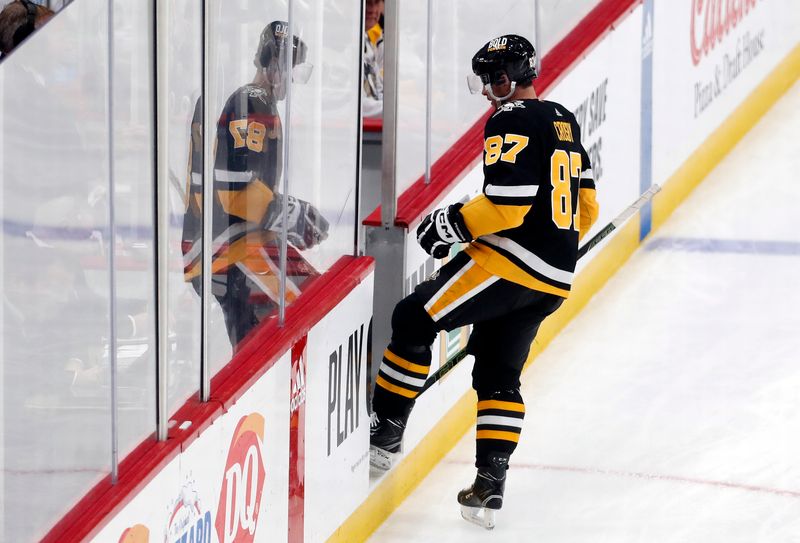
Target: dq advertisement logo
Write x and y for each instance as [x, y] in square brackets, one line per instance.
[188, 522]
[135, 534]
[242, 483]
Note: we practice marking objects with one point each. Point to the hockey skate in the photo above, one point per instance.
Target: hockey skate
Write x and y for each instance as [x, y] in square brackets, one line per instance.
[385, 439]
[480, 501]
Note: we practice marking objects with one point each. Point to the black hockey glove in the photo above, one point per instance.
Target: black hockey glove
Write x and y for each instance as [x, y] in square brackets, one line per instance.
[306, 225]
[442, 228]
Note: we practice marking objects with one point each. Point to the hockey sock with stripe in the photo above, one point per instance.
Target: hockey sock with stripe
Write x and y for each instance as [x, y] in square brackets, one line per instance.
[401, 377]
[499, 424]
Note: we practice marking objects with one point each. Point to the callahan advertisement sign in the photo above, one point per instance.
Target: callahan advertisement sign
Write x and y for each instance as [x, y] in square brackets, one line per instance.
[714, 24]
[712, 20]
[708, 56]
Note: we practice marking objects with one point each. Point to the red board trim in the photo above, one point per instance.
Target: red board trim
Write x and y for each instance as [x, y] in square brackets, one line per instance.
[259, 353]
[448, 169]
[372, 124]
[269, 342]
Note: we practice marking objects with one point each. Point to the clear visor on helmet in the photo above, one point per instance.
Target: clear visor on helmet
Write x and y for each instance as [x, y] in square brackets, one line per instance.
[474, 83]
[479, 83]
[301, 73]
[278, 48]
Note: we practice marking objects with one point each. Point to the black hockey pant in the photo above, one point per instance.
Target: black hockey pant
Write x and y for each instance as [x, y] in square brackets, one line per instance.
[232, 291]
[505, 318]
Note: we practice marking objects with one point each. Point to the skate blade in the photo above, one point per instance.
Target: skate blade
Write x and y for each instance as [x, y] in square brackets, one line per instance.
[481, 516]
[380, 459]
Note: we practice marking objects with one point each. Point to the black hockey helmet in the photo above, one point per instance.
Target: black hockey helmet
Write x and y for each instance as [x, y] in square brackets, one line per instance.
[273, 44]
[511, 55]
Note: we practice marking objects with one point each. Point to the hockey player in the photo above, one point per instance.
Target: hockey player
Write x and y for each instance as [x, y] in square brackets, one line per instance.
[248, 211]
[522, 232]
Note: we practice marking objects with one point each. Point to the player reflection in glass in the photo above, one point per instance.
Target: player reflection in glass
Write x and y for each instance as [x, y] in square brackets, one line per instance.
[248, 211]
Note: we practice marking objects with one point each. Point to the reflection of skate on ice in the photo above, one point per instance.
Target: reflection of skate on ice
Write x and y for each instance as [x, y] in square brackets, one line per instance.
[484, 497]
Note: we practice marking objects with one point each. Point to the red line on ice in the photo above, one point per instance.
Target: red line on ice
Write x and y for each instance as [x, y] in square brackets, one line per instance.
[655, 477]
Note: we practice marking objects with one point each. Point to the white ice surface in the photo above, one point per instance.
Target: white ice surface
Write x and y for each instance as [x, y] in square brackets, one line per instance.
[669, 409]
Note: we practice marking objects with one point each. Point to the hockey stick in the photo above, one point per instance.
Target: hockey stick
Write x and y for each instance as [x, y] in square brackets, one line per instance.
[626, 214]
[176, 184]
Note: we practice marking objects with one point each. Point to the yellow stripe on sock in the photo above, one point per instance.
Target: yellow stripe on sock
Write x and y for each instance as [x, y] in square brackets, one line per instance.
[394, 388]
[405, 364]
[498, 434]
[499, 404]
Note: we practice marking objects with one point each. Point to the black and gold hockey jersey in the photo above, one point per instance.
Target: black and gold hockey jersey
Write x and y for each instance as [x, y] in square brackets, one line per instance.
[538, 196]
[247, 167]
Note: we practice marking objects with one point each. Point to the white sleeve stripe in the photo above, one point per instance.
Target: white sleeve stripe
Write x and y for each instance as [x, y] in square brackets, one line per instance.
[197, 179]
[227, 176]
[587, 174]
[513, 191]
